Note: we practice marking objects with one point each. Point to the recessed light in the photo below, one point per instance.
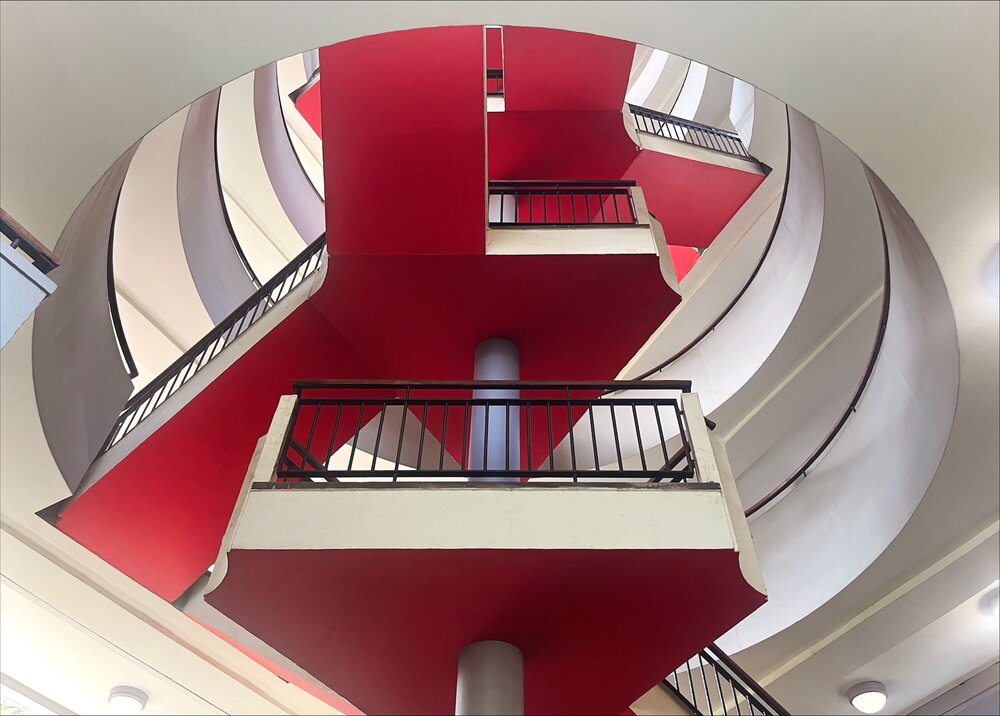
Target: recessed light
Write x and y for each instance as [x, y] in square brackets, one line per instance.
[991, 273]
[868, 697]
[991, 604]
[127, 700]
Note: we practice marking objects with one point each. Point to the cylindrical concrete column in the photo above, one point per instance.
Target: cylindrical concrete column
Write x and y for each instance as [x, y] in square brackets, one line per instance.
[495, 434]
[490, 680]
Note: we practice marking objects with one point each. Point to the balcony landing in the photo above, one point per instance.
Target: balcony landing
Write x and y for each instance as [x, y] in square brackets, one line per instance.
[375, 590]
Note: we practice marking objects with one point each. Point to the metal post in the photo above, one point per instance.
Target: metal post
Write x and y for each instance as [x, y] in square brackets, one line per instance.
[490, 680]
[495, 436]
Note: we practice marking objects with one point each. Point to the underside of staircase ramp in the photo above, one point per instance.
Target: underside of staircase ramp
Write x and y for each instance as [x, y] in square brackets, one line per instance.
[374, 588]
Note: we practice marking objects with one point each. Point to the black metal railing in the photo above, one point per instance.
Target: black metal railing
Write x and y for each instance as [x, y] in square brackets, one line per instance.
[571, 203]
[153, 395]
[494, 83]
[683, 130]
[392, 431]
[712, 683]
[22, 240]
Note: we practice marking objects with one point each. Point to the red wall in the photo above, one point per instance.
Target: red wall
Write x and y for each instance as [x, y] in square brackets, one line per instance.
[554, 70]
[308, 105]
[384, 627]
[404, 145]
[160, 514]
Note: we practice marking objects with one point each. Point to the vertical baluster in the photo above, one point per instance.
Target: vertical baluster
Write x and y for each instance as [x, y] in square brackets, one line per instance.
[444, 435]
[614, 428]
[506, 437]
[694, 695]
[333, 435]
[593, 436]
[552, 447]
[529, 462]
[357, 434]
[718, 683]
[572, 443]
[402, 431]
[378, 434]
[486, 436]
[638, 436]
[423, 430]
[704, 679]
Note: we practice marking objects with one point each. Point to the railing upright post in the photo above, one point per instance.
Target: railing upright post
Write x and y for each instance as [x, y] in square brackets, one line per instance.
[705, 466]
[275, 439]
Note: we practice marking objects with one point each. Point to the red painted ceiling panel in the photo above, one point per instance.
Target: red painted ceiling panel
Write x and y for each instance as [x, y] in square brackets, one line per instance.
[405, 142]
[578, 317]
[342, 705]
[693, 200]
[597, 628]
[160, 514]
[559, 145]
[494, 48]
[684, 257]
[553, 70]
[308, 105]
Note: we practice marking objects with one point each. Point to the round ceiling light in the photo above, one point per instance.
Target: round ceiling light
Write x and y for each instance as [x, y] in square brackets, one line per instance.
[127, 700]
[991, 604]
[868, 697]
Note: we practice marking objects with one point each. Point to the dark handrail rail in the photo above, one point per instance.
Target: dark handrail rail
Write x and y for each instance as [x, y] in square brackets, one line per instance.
[760, 691]
[746, 285]
[222, 202]
[22, 239]
[544, 183]
[144, 402]
[683, 386]
[116, 319]
[684, 122]
[715, 668]
[538, 203]
[330, 415]
[802, 470]
[700, 135]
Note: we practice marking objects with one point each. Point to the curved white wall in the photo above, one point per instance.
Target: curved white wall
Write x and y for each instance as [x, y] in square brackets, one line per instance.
[268, 238]
[862, 492]
[728, 263]
[162, 312]
[299, 198]
[292, 74]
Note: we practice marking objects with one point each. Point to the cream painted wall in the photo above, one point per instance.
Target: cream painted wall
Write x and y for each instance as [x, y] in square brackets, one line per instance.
[307, 144]
[265, 233]
[162, 312]
[839, 67]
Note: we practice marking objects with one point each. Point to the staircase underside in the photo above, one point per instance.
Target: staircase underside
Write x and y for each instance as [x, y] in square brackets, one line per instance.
[384, 627]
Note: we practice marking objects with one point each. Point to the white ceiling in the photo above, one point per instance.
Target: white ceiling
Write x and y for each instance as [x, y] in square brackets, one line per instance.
[911, 88]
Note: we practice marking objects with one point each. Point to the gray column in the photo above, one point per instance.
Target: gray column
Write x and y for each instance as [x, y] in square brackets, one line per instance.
[495, 435]
[490, 680]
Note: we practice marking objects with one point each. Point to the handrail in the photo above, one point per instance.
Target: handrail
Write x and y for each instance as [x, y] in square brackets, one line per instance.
[561, 203]
[451, 418]
[116, 318]
[23, 240]
[144, 402]
[717, 674]
[815, 455]
[494, 83]
[222, 202]
[668, 126]
[683, 386]
[746, 285]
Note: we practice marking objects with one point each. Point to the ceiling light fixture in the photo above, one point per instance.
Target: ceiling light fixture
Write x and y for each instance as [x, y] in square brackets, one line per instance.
[991, 604]
[868, 697]
[127, 700]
